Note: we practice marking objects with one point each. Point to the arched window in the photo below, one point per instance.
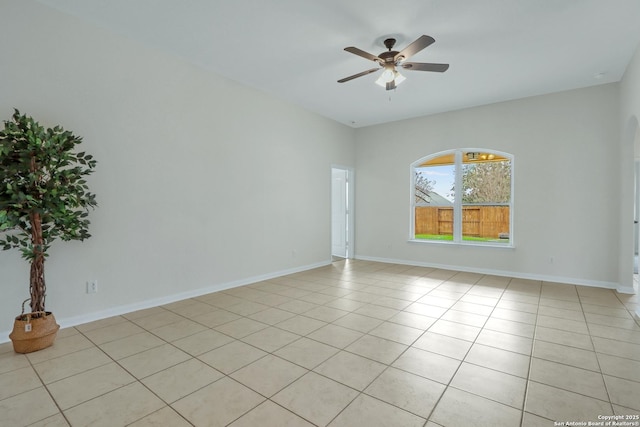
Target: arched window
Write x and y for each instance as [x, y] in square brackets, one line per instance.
[463, 196]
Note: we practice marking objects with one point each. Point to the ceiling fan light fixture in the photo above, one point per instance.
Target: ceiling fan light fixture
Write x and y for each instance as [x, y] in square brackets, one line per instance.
[387, 76]
[390, 75]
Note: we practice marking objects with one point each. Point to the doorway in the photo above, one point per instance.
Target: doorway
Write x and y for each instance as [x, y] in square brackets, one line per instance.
[636, 207]
[636, 226]
[341, 213]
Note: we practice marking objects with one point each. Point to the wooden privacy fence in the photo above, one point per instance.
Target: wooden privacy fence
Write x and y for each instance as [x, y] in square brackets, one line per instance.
[477, 221]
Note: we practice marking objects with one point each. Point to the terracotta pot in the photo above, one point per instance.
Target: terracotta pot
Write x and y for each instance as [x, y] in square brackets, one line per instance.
[32, 333]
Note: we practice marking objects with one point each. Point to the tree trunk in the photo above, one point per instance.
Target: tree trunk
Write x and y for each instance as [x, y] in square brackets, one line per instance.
[37, 286]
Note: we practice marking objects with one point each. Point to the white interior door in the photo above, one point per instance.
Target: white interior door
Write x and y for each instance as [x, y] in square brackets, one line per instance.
[339, 213]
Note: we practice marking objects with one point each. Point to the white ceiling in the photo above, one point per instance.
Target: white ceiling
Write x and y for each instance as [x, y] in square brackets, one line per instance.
[498, 49]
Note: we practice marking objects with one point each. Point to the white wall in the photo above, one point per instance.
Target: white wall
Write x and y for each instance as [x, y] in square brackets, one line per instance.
[629, 150]
[566, 186]
[201, 183]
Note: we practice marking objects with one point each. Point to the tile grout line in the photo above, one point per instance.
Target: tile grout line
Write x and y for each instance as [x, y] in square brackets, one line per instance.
[136, 379]
[533, 344]
[60, 411]
[606, 387]
[467, 352]
[388, 366]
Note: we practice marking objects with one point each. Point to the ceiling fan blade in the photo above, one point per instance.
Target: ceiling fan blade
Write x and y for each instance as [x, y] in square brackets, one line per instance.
[423, 66]
[415, 47]
[362, 53]
[355, 76]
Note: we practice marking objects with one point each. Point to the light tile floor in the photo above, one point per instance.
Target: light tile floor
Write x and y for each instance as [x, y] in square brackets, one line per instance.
[352, 344]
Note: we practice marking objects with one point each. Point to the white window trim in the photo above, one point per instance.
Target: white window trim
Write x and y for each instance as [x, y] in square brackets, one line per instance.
[457, 204]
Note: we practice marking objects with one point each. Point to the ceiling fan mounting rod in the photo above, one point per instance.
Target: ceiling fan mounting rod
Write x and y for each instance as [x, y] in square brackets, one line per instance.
[389, 43]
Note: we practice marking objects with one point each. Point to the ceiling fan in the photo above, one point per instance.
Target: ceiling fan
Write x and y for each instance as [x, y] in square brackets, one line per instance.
[388, 61]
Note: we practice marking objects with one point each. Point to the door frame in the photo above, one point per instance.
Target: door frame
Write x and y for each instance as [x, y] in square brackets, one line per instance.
[350, 222]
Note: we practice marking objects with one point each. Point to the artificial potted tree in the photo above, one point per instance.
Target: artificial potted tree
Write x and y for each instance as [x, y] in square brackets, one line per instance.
[43, 197]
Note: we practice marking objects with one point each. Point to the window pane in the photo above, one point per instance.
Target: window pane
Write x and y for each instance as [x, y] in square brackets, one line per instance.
[434, 195]
[486, 194]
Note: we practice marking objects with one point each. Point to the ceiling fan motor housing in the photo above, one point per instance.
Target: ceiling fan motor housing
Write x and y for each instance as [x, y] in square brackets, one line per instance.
[391, 54]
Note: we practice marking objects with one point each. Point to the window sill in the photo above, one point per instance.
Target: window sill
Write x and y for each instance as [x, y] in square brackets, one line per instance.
[470, 244]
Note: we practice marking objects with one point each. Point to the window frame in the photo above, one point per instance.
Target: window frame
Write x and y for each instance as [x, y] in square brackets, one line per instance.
[457, 203]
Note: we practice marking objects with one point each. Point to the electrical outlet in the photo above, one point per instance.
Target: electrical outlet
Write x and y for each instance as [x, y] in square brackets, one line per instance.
[92, 286]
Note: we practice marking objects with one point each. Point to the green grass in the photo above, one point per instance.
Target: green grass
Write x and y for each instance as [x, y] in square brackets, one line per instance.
[449, 237]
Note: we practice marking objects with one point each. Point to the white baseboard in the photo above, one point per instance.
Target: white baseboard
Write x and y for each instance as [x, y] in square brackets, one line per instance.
[626, 290]
[155, 302]
[514, 274]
